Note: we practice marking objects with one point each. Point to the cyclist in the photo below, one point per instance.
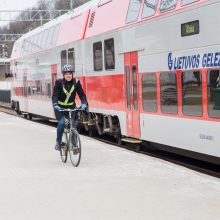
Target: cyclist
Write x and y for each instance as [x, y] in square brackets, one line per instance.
[64, 93]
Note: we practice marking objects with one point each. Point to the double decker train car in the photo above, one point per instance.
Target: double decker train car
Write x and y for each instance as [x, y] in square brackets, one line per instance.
[150, 70]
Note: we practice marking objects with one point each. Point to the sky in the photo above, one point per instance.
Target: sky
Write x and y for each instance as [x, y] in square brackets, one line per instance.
[14, 5]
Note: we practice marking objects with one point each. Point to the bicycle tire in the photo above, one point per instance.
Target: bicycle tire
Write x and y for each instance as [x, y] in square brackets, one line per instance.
[75, 149]
[64, 149]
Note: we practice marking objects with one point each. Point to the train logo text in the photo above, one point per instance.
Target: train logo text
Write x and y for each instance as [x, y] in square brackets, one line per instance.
[193, 61]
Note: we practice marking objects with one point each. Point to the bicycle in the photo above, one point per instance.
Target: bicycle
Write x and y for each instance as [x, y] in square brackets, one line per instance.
[71, 143]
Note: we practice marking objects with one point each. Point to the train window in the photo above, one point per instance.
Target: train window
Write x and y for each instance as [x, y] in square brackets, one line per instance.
[133, 10]
[167, 5]
[48, 89]
[34, 89]
[29, 91]
[71, 57]
[109, 54]
[97, 56]
[30, 42]
[213, 84]
[43, 88]
[38, 87]
[38, 42]
[44, 38]
[63, 58]
[55, 35]
[186, 2]
[168, 89]
[24, 88]
[149, 8]
[103, 2]
[50, 37]
[192, 93]
[149, 92]
[29, 88]
[134, 77]
[33, 43]
[128, 93]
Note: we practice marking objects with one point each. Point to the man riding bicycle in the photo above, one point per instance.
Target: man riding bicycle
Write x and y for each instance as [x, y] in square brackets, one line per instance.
[64, 93]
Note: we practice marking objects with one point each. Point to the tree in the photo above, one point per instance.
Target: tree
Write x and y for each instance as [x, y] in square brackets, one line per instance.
[18, 27]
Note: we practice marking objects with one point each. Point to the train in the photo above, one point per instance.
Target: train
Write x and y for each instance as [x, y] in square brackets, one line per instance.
[150, 70]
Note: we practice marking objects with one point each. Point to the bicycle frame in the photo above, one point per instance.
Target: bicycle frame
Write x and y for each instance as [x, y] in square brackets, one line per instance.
[74, 149]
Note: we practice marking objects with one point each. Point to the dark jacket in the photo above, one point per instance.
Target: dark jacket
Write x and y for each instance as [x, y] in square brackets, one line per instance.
[59, 95]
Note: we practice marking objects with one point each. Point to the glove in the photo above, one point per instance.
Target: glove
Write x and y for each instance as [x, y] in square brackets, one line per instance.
[57, 108]
[84, 106]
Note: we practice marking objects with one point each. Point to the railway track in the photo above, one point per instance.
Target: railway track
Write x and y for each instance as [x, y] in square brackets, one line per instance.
[147, 149]
[7, 109]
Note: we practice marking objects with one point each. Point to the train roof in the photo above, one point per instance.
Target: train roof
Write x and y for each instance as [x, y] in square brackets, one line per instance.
[70, 14]
[93, 18]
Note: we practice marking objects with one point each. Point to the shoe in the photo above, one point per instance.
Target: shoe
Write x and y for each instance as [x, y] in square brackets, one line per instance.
[75, 150]
[57, 146]
[63, 146]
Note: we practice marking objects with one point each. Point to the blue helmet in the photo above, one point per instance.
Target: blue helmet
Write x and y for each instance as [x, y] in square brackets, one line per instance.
[67, 68]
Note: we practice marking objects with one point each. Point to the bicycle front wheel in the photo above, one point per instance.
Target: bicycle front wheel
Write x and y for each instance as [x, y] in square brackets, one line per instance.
[75, 148]
[64, 149]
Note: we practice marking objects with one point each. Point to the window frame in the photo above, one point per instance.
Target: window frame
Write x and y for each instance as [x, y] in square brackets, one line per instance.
[156, 5]
[62, 60]
[73, 59]
[100, 57]
[156, 107]
[208, 84]
[191, 2]
[105, 54]
[103, 2]
[161, 95]
[130, 21]
[167, 9]
[183, 94]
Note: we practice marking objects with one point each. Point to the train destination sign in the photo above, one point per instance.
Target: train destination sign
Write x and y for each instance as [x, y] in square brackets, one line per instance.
[193, 61]
[190, 28]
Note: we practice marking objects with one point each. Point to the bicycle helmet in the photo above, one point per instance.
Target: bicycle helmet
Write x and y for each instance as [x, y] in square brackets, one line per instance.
[67, 68]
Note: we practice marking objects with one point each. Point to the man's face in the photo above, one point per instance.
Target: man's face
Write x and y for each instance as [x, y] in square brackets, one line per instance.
[68, 76]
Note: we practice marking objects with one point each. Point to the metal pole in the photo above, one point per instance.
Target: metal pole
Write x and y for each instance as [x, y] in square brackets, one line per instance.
[3, 50]
[71, 4]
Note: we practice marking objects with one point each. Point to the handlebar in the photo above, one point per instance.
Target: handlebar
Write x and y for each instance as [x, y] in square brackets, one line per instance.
[71, 110]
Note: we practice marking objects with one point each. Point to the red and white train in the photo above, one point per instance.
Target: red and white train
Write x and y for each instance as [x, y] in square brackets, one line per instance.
[150, 69]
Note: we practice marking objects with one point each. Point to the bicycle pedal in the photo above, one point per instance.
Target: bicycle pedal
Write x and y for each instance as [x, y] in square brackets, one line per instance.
[75, 151]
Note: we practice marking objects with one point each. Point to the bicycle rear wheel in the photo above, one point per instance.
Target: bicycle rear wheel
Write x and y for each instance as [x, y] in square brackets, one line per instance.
[75, 148]
[64, 149]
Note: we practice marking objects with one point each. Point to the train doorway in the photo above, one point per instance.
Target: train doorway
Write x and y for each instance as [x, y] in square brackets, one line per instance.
[132, 103]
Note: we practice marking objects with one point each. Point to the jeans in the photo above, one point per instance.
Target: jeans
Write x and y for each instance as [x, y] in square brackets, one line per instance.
[60, 128]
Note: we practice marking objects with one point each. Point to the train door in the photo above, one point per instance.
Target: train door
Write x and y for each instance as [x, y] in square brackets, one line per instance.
[132, 103]
[25, 91]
